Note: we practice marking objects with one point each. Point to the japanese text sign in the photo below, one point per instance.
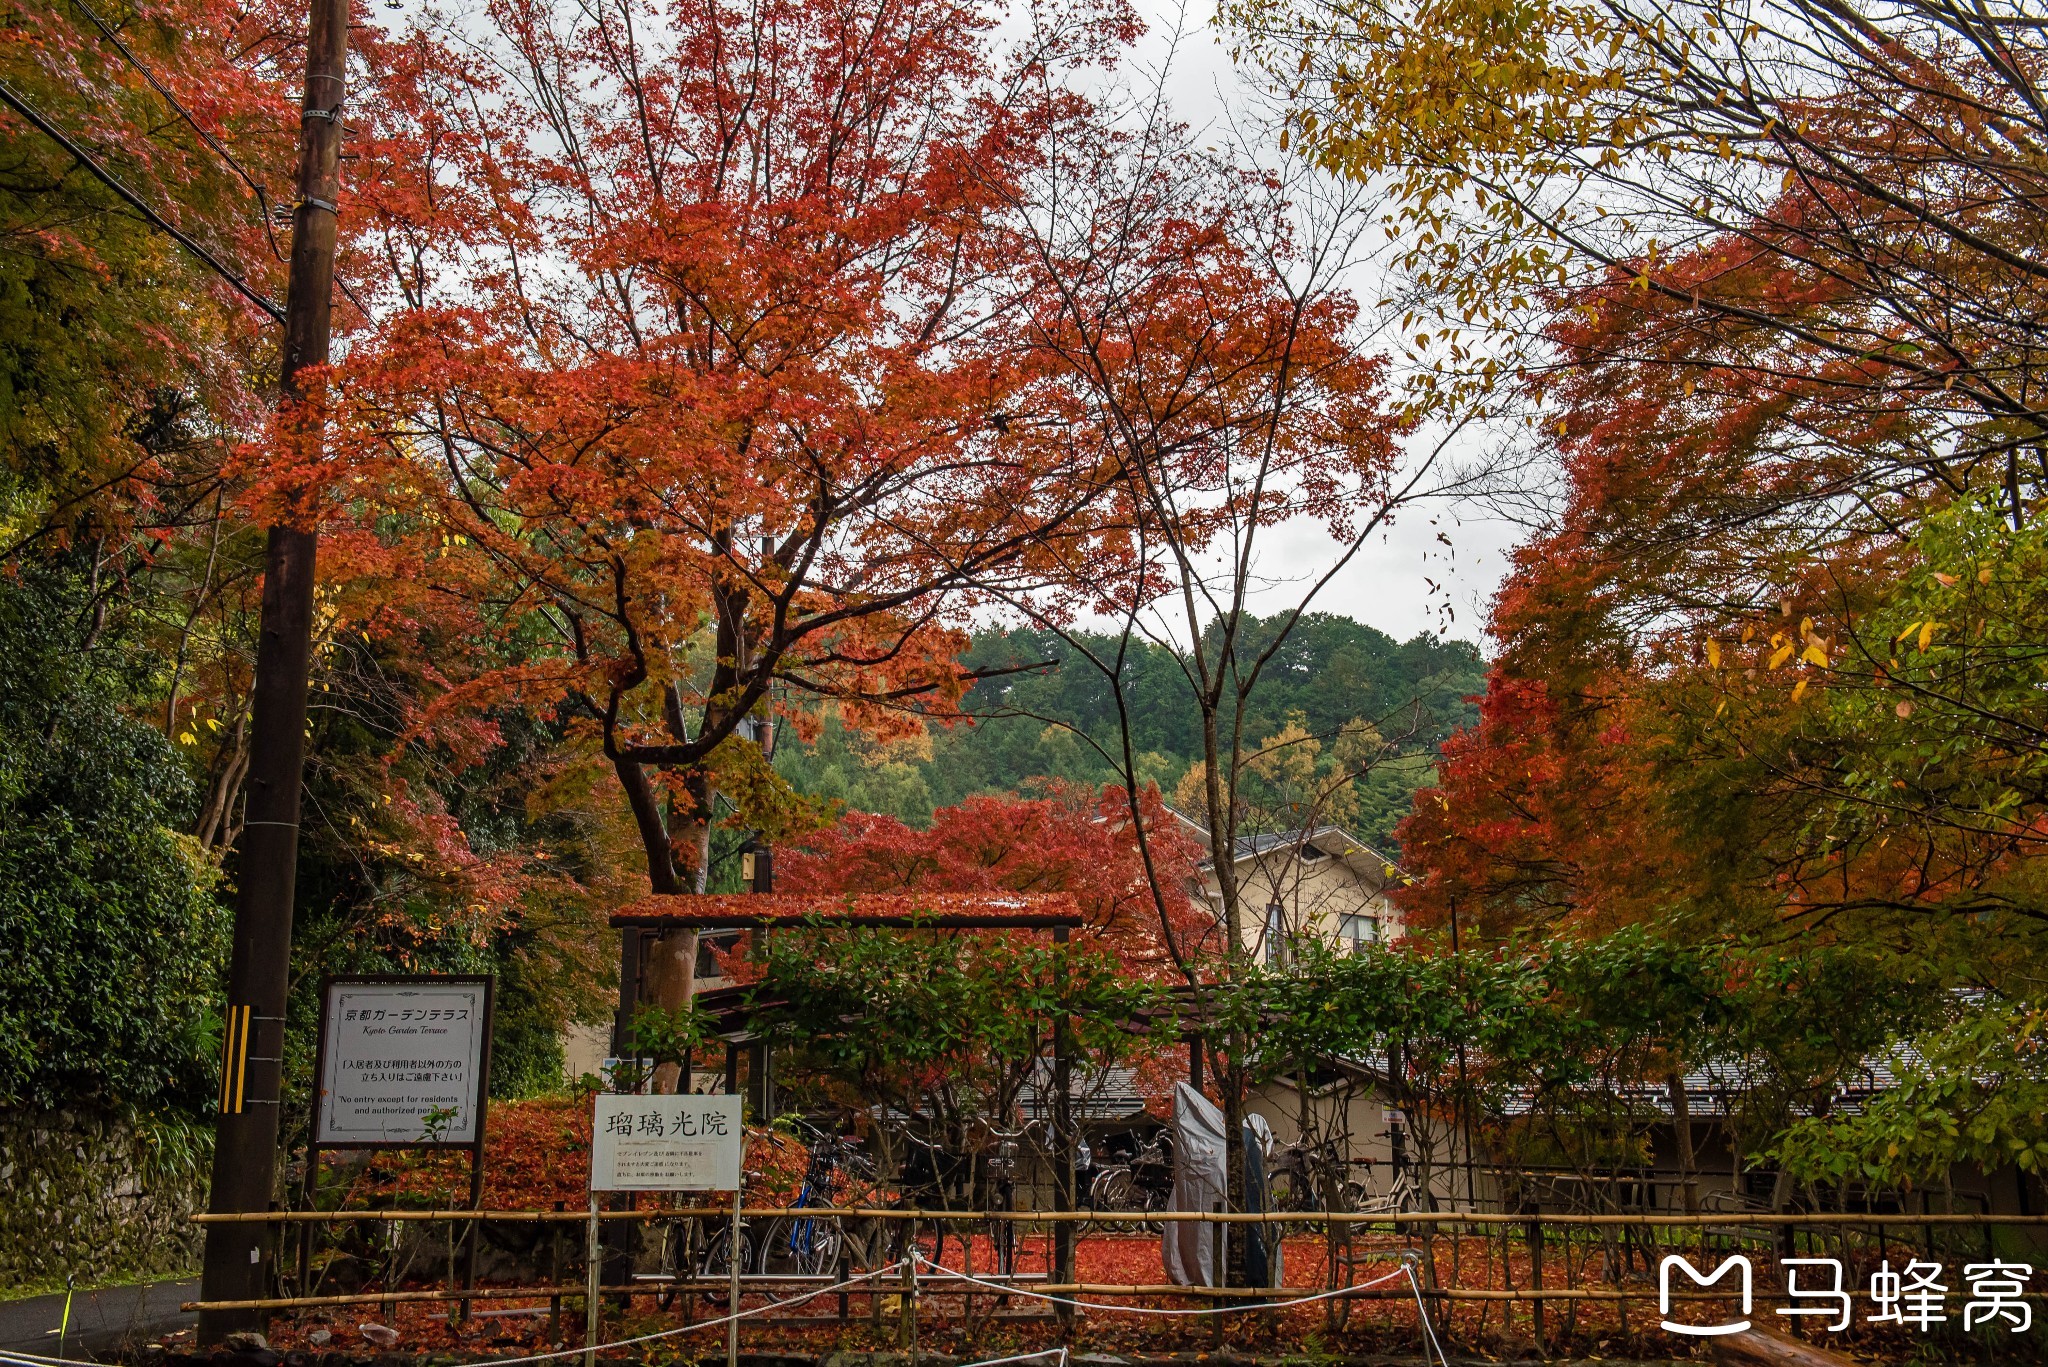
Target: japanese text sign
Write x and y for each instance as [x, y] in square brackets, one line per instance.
[402, 1061]
[666, 1143]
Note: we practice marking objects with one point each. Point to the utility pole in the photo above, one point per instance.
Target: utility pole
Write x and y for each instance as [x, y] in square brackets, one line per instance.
[252, 1069]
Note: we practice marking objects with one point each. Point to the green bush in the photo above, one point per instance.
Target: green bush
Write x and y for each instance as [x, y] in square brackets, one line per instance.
[111, 938]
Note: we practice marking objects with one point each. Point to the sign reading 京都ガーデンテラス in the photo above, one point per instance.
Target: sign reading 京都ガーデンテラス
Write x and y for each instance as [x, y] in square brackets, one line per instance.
[402, 1061]
[666, 1143]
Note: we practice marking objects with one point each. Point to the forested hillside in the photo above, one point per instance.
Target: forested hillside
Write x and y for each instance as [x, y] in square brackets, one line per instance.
[1056, 722]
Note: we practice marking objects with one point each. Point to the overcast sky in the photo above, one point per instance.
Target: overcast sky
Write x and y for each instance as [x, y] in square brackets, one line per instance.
[1406, 581]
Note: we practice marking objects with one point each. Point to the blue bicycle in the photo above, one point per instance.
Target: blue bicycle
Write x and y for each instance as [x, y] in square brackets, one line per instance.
[810, 1245]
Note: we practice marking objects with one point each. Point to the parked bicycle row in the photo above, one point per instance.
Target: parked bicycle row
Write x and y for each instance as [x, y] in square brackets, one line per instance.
[998, 1171]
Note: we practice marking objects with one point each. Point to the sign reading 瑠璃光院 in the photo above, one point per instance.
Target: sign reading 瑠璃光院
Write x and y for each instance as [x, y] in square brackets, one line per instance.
[666, 1143]
[402, 1061]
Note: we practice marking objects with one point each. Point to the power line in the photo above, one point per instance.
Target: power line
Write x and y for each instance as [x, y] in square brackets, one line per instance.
[135, 201]
[262, 199]
[213, 143]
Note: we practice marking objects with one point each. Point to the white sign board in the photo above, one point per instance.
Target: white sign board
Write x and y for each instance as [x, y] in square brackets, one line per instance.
[402, 1062]
[666, 1143]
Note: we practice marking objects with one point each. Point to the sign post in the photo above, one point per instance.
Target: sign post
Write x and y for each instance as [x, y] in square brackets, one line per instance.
[732, 1272]
[404, 1062]
[685, 1142]
[593, 1262]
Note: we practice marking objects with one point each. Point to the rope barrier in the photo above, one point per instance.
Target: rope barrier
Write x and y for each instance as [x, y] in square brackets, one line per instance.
[1008, 1289]
[1405, 1269]
[1422, 1312]
[20, 1359]
[1760, 1219]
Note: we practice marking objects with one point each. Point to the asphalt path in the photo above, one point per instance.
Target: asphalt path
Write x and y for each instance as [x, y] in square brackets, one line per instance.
[101, 1321]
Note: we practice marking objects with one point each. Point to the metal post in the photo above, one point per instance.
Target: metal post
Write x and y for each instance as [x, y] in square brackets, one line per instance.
[844, 1271]
[906, 1323]
[761, 1083]
[555, 1279]
[472, 1231]
[1063, 1128]
[593, 1259]
[312, 1202]
[1219, 1252]
[245, 1135]
[732, 1264]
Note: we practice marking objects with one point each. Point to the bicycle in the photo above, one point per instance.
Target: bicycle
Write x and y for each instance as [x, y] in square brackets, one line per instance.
[1402, 1193]
[732, 1243]
[1306, 1179]
[1001, 1185]
[924, 1176]
[808, 1245]
[1142, 1183]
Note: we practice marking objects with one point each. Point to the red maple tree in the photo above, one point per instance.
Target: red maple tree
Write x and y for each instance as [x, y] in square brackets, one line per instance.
[713, 395]
[1067, 840]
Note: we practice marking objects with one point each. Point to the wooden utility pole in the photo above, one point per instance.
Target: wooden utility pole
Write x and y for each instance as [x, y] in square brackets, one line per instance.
[245, 1137]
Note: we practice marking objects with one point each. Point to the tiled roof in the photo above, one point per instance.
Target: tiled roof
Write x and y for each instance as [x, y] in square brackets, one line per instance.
[1100, 1094]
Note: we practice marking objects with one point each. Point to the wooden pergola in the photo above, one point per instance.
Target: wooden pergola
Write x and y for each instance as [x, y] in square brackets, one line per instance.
[1057, 912]
[654, 916]
[788, 910]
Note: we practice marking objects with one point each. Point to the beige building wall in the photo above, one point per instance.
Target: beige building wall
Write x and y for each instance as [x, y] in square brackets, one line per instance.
[1304, 893]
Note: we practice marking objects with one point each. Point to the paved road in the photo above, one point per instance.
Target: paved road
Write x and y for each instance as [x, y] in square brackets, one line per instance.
[101, 1321]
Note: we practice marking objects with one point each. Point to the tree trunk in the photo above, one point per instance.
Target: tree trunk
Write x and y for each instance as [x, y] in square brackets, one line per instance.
[1681, 1124]
[671, 982]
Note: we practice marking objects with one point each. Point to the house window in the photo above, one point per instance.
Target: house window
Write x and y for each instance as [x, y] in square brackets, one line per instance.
[1356, 931]
[1276, 934]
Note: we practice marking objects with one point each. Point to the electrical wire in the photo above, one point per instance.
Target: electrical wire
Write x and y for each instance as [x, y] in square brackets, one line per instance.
[14, 101]
[214, 144]
[262, 199]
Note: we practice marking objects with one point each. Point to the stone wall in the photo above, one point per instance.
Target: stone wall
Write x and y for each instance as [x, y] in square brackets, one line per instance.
[98, 1197]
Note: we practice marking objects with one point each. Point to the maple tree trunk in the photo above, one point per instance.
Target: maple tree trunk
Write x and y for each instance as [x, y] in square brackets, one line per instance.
[671, 969]
[661, 880]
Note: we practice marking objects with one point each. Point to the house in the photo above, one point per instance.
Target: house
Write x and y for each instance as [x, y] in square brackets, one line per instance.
[1295, 886]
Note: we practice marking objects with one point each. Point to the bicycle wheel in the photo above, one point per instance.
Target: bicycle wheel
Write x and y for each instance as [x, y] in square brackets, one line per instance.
[1156, 1199]
[672, 1261]
[865, 1242]
[1114, 1190]
[801, 1245]
[1002, 1242]
[1288, 1192]
[930, 1240]
[719, 1256]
